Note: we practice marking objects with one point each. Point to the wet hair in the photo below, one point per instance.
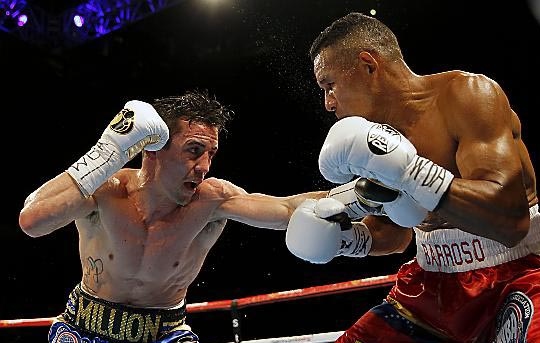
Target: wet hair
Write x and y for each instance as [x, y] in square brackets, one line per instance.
[357, 32]
[194, 106]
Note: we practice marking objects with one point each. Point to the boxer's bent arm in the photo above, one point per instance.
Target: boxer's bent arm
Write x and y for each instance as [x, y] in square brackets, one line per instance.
[136, 127]
[55, 204]
[488, 198]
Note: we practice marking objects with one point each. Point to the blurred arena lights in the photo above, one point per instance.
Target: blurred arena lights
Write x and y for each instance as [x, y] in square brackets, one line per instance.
[11, 14]
[22, 19]
[12, 7]
[78, 20]
[89, 20]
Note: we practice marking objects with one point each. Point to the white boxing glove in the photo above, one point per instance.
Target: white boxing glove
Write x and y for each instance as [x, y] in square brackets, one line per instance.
[317, 240]
[363, 197]
[136, 127]
[398, 206]
[357, 206]
[356, 146]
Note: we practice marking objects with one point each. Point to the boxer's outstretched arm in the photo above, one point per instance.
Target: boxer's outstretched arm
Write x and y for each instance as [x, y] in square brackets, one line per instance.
[381, 235]
[256, 209]
[267, 211]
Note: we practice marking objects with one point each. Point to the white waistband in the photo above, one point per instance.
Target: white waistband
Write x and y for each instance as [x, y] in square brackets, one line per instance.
[454, 250]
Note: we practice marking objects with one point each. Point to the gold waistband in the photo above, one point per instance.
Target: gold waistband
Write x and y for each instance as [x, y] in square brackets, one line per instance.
[118, 322]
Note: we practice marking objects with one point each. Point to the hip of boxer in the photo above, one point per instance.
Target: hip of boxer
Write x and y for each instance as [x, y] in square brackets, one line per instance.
[101, 321]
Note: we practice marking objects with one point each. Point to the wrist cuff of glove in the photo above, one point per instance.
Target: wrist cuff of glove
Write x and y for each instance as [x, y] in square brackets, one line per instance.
[427, 182]
[356, 207]
[96, 166]
[356, 242]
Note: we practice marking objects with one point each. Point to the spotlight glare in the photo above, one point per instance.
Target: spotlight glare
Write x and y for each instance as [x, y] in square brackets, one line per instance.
[22, 20]
[78, 20]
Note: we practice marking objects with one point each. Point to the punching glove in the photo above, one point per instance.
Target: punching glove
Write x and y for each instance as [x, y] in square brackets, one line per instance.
[356, 146]
[313, 238]
[136, 127]
[357, 206]
[363, 197]
[398, 206]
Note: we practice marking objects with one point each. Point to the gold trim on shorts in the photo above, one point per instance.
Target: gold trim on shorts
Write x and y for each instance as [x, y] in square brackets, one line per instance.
[118, 322]
[410, 317]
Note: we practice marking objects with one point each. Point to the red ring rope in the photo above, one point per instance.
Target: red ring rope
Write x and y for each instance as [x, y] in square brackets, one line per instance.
[334, 288]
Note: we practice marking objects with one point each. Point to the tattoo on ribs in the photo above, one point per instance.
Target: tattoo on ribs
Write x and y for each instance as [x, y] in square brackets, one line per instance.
[93, 269]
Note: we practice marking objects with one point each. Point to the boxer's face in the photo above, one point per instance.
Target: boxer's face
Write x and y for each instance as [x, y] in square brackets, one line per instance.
[186, 161]
[343, 83]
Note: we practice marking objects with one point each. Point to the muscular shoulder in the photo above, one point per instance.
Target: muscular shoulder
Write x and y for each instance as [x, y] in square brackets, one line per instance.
[468, 90]
[219, 189]
[468, 99]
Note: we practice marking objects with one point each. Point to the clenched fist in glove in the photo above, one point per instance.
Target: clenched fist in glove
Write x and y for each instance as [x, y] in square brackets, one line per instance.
[355, 146]
[316, 234]
[363, 197]
[136, 127]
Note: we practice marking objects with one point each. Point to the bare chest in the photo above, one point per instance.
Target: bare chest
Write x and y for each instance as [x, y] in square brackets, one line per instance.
[125, 248]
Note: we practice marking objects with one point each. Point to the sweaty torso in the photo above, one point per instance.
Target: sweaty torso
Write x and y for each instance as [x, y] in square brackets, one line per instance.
[147, 262]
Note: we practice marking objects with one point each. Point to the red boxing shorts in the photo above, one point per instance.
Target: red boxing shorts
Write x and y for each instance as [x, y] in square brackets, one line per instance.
[460, 288]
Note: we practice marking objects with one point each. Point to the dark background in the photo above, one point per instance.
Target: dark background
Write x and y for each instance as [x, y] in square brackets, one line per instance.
[252, 54]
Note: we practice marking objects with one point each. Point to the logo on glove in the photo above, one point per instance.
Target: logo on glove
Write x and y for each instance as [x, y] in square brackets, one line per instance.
[123, 122]
[383, 139]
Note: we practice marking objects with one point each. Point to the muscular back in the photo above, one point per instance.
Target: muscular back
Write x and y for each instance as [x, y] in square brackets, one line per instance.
[141, 261]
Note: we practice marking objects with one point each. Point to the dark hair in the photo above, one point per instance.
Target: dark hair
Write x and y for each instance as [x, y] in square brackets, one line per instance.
[194, 106]
[356, 32]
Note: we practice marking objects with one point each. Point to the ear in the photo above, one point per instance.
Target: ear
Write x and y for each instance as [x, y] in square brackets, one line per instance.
[368, 61]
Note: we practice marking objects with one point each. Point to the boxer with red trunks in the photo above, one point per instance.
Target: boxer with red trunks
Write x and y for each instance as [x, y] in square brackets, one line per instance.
[450, 143]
